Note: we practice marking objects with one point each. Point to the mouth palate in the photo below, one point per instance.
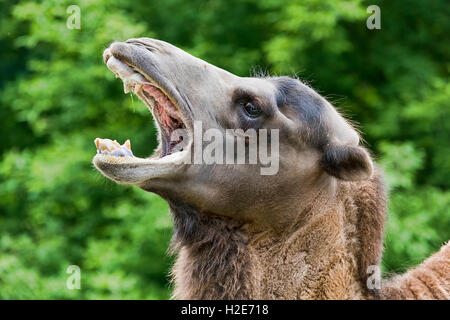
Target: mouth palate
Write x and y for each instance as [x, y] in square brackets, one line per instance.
[167, 115]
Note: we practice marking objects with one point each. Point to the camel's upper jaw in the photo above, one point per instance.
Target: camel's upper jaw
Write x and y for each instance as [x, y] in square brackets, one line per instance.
[139, 73]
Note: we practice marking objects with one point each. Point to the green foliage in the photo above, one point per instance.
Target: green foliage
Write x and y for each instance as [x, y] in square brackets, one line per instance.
[419, 216]
[57, 96]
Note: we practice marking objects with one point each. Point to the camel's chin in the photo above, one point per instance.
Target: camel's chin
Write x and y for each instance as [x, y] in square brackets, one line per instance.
[135, 170]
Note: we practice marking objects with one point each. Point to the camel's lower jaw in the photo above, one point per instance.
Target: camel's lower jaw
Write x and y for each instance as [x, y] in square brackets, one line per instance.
[135, 170]
[118, 163]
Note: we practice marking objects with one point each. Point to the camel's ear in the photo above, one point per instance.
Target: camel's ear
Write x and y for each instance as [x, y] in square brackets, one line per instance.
[347, 162]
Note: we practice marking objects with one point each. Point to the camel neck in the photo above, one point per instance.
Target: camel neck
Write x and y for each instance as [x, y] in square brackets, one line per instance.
[213, 257]
[322, 255]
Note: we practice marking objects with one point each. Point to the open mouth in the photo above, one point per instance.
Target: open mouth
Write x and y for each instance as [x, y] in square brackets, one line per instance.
[172, 128]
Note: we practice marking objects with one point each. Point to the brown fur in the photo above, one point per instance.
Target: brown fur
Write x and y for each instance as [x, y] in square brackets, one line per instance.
[323, 255]
[430, 280]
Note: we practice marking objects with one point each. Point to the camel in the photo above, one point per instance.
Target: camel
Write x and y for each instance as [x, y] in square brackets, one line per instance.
[313, 230]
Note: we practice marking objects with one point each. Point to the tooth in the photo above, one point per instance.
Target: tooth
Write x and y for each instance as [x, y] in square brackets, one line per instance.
[110, 147]
[137, 87]
[127, 144]
[125, 87]
[127, 152]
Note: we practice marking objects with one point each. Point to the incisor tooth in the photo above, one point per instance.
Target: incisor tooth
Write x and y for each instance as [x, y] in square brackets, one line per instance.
[108, 146]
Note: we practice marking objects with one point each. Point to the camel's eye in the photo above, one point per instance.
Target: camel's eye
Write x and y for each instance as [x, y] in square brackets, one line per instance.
[251, 110]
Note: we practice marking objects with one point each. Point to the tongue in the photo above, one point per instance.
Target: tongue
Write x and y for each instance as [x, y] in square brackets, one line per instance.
[113, 148]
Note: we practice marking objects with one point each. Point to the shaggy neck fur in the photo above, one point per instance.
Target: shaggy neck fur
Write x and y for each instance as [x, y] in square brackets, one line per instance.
[324, 254]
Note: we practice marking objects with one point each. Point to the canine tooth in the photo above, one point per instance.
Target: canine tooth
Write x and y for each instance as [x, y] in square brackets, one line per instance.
[125, 87]
[127, 144]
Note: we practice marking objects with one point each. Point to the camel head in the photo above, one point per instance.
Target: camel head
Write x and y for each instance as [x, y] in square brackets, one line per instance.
[309, 144]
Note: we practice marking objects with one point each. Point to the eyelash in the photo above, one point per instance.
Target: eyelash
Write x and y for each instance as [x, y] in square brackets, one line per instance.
[251, 110]
[246, 121]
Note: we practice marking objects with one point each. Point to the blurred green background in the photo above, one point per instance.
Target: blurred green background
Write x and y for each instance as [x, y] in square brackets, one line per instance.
[56, 96]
